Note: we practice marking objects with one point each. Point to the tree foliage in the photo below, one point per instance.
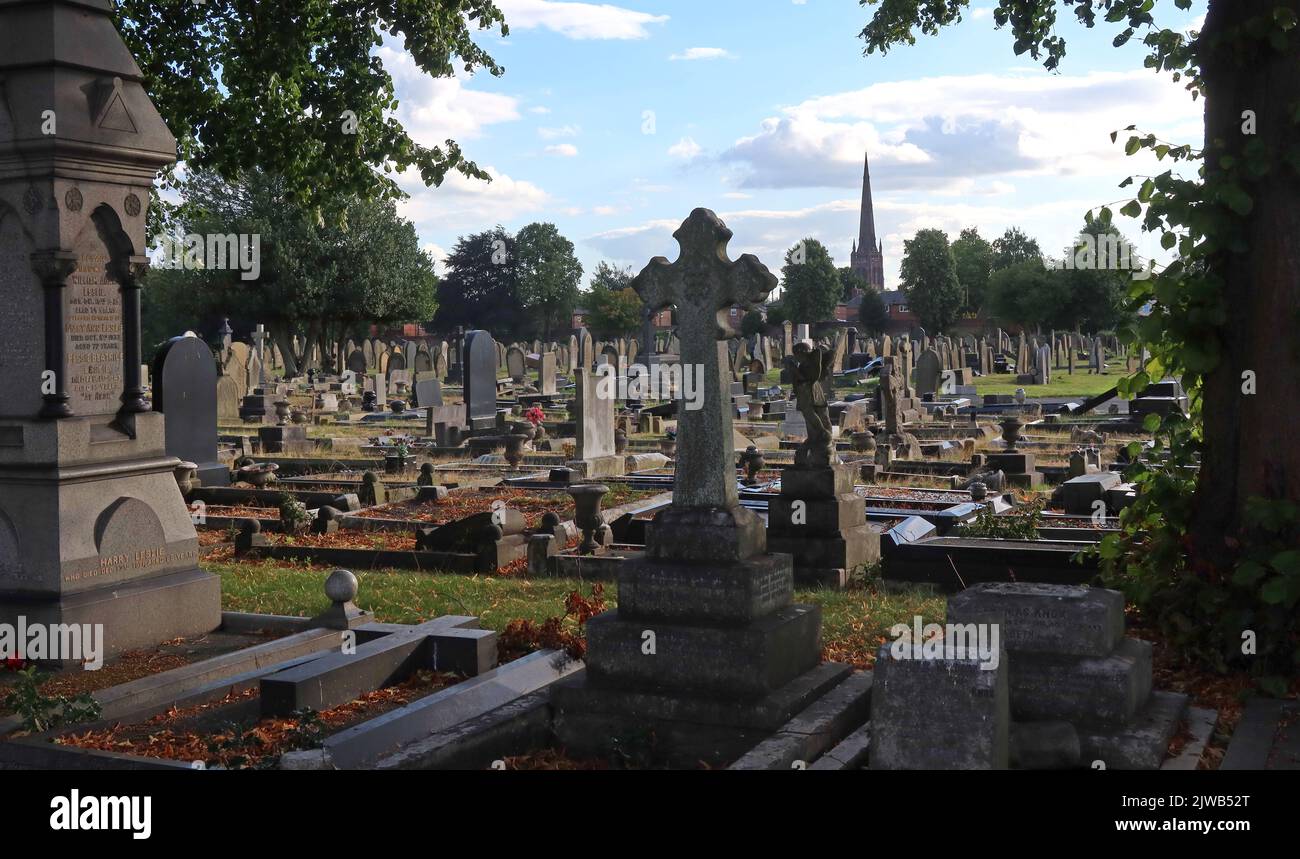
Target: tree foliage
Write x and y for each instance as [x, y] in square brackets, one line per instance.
[480, 288]
[811, 283]
[610, 277]
[614, 312]
[973, 256]
[928, 275]
[317, 281]
[298, 88]
[1014, 247]
[549, 275]
[873, 315]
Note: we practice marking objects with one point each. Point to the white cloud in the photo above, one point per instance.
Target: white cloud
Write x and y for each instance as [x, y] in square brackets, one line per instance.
[562, 150]
[980, 12]
[686, 149]
[463, 205]
[553, 133]
[434, 109]
[703, 54]
[539, 110]
[579, 20]
[929, 131]
[605, 211]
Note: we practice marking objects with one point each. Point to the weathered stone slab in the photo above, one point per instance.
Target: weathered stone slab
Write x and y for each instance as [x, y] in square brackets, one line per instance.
[1069, 620]
[1105, 691]
[939, 713]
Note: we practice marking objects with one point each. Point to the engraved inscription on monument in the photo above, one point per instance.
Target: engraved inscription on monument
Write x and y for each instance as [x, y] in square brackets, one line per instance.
[94, 337]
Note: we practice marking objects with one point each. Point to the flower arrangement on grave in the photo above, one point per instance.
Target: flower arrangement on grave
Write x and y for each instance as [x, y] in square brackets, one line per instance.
[294, 517]
[535, 415]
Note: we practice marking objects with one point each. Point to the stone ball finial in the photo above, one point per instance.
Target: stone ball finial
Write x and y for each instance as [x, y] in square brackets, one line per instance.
[341, 586]
[978, 491]
[250, 526]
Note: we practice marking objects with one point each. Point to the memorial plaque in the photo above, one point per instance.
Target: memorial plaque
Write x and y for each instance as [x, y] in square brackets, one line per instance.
[93, 337]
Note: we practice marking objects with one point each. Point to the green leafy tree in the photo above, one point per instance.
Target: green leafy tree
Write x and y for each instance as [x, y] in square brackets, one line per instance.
[753, 324]
[873, 315]
[1221, 560]
[614, 312]
[1014, 247]
[549, 276]
[973, 256]
[1030, 295]
[1096, 284]
[297, 88]
[319, 282]
[481, 285]
[610, 278]
[850, 280]
[928, 275]
[811, 283]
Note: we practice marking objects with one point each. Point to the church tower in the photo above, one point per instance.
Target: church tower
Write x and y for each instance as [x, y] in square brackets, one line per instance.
[868, 258]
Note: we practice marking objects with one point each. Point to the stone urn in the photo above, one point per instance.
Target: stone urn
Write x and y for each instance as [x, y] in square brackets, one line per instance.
[523, 428]
[668, 447]
[515, 443]
[426, 475]
[756, 410]
[586, 515]
[979, 491]
[1020, 396]
[259, 474]
[298, 416]
[620, 441]
[368, 400]
[398, 407]
[753, 462]
[186, 474]
[864, 441]
[282, 412]
[1011, 431]
[539, 432]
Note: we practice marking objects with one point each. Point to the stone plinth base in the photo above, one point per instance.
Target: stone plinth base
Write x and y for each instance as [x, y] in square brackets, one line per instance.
[679, 730]
[600, 466]
[821, 521]
[135, 614]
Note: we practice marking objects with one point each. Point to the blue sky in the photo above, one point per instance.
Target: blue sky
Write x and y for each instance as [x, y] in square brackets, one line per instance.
[615, 120]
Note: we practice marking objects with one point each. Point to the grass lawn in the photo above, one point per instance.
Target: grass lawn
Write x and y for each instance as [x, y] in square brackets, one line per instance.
[854, 621]
[1081, 384]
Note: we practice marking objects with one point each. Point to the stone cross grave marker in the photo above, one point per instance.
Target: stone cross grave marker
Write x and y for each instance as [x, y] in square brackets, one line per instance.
[703, 284]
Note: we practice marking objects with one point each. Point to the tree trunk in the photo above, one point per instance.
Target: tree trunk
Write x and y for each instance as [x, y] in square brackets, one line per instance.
[284, 339]
[1250, 447]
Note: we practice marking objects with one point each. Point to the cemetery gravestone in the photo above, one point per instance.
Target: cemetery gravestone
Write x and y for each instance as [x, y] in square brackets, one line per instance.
[185, 383]
[479, 360]
[733, 650]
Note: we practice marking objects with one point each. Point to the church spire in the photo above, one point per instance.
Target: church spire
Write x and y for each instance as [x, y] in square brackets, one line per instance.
[867, 257]
[867, 226]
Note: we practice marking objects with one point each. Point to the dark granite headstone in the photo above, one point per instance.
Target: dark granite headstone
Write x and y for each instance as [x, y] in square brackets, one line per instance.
[185, 390]
[480, 371]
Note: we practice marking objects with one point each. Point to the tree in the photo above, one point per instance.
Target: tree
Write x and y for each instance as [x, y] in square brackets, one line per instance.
[1222, 559]
[614, 313]
[611, 278]
[1014, 247]
[297, 89]
[481, 287]
[1097, 282]
[929, 278]
[549, 275]
[850, 281]
[811, 283]
[974, 259]
[873, 315]
[1030, 295]
[317, 281]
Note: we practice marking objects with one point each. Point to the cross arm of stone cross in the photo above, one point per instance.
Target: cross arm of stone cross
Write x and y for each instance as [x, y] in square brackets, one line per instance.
[703, 282]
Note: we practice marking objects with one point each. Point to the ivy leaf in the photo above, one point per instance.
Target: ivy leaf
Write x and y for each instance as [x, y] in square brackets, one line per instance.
[1132, 209]
[1274, 591]
[1236, 199]
[1248, 573]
